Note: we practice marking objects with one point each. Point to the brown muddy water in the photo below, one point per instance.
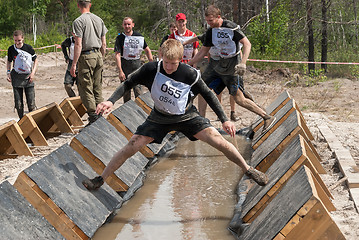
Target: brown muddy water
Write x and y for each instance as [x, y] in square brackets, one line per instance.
[189, 194]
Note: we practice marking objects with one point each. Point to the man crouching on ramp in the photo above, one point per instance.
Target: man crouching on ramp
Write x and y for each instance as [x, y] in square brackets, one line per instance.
[173, 86]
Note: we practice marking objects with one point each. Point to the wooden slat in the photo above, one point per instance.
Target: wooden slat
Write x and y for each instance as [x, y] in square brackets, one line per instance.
[313, 224]
[272, 109]
[51, 211]
[70, 112]
[268, 161]
[30, 129]
[296, 212]
[320, 191]
[113, 181]
[143, 105]
[145, 150]
[281, 115]
[59, 120]
[13, 140]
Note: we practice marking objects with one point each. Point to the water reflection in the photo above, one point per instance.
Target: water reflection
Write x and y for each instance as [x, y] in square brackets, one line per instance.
[188, 195]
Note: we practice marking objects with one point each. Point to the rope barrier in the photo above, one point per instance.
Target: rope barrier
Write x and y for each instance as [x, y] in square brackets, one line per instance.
[251, 60]
[305, 62]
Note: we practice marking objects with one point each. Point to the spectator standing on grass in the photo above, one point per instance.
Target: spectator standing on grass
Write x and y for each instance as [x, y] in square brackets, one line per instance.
[22, 75]
[223, 38]
[183, 34]
[68, 47]
[89, 31]
[128, 48]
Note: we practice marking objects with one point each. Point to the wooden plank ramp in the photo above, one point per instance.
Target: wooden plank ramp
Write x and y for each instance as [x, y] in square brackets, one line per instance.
[73, 110]
[295, 155]
[126, 119]
[281, 115]
[12, 143]
[276, 142]
[53, 186]
[145, 101]
[272, 109]
[97, 144]
[36, 125]
[18, 217]
[296, 212]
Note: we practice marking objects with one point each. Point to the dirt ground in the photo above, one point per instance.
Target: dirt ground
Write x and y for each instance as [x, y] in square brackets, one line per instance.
[333, 102]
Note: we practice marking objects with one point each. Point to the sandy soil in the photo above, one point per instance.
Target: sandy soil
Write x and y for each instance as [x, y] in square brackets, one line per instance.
[334, 102]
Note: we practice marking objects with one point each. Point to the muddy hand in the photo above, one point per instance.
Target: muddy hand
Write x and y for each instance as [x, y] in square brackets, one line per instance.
[240, 69]
[104, 108]
[229, 128]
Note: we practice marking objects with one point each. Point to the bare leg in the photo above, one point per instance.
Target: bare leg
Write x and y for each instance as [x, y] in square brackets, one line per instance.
[249, 104]
[215, 139]
[232, 103]
[234, 116]
[133, 146]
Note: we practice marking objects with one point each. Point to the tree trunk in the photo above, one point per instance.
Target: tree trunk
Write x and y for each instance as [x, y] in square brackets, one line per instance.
[324, 35]
[355, 18]
[311, 66]
[236, 13]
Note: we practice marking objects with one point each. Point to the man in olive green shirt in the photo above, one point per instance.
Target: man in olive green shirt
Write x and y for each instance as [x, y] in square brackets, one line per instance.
[90, 47]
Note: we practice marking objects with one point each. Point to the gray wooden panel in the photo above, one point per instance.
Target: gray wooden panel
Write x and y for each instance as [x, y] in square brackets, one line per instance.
[281, 209]
[103, 141]
[131, 115]
[280, 167]
[275, 139]
[60, 176]
[276, 103]
[146, 98]
[279, 115]
[19, 219]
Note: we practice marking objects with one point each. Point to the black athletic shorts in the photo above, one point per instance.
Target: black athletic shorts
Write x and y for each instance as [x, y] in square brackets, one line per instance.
[158, 131]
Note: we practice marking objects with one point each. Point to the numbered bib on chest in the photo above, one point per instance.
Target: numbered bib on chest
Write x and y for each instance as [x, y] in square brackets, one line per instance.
[188, 48]
[169, 95]
[23, 62]
[222, 39]
[133, 47]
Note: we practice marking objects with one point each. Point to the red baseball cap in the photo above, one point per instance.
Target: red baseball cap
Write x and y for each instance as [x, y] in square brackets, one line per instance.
[180, 16]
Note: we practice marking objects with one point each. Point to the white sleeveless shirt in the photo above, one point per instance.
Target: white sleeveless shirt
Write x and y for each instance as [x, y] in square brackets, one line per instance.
[169, 95]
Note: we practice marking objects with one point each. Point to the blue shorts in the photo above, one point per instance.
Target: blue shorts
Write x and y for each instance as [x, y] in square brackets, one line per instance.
[218, 85]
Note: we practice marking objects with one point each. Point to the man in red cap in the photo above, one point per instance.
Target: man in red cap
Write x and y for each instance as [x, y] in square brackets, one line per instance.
[183, 34]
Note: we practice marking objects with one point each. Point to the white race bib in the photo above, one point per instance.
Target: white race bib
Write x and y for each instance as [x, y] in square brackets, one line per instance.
[169, 95]
[222, 39]
[23, 62]
[187, 49]
[133, 47]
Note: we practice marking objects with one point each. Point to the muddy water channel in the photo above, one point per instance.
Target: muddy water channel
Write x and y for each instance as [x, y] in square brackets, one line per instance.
[189, 194]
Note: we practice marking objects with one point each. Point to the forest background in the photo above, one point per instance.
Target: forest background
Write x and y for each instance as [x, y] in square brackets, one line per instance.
[295, 30]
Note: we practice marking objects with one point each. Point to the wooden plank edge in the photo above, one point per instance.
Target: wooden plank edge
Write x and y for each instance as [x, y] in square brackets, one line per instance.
[47, 208]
